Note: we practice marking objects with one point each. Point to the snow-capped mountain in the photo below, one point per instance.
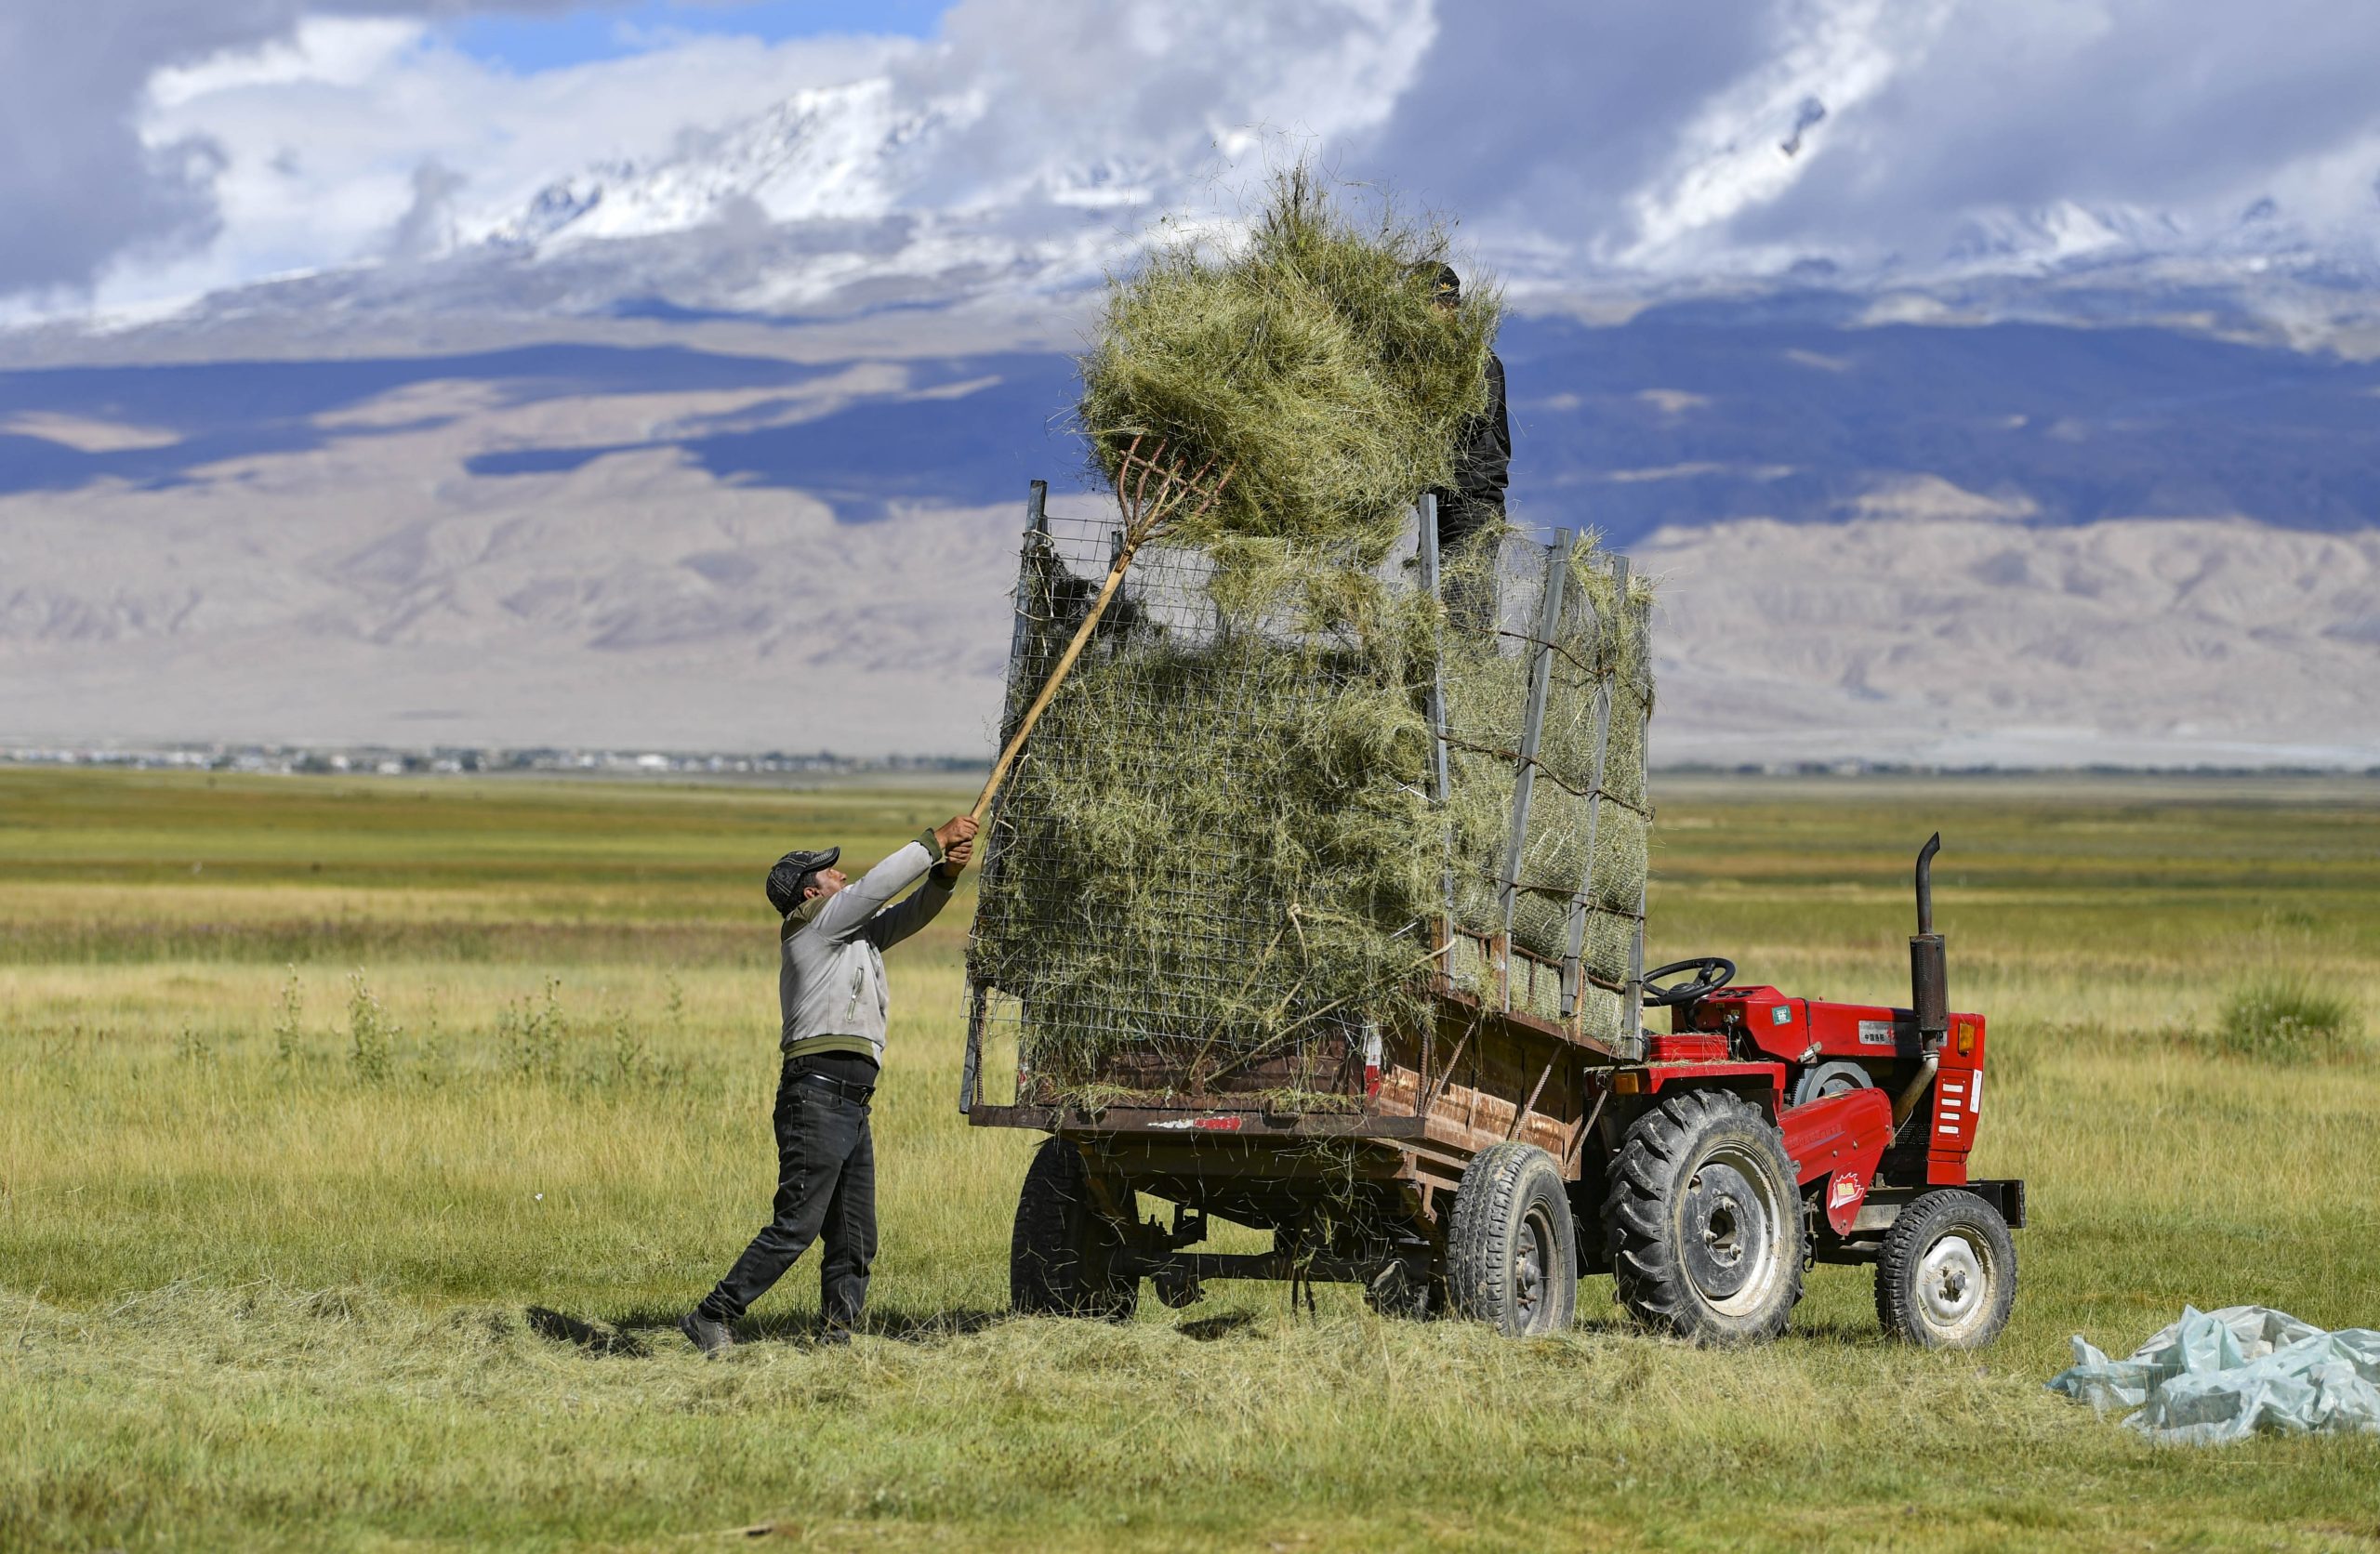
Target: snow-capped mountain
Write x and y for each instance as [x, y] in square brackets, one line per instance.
[853, 152]
[865, 193]
[835, 153]
[842, 193]
[923, 184]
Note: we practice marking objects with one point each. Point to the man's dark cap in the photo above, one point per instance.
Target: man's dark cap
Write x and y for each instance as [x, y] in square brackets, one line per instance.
[792, 871]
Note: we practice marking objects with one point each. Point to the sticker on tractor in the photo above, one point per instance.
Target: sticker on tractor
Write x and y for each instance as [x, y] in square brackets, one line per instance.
[1846, 1187]
[1876, 1033]
[1781, 1015]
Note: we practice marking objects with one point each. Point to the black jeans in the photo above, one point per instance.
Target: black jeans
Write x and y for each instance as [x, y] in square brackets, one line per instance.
[825, 1190]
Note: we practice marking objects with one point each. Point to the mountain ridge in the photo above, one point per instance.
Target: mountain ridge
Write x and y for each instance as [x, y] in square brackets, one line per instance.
[657, 456]
[674, 546]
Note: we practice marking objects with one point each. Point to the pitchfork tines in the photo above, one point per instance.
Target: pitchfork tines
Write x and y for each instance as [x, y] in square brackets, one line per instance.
[1154, 491]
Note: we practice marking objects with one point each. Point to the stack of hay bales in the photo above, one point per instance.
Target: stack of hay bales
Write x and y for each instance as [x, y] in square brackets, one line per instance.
[1582, 864]
[1218, 845]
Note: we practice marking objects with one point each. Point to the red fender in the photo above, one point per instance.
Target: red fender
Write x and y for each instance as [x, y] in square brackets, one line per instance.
[1840, 1136]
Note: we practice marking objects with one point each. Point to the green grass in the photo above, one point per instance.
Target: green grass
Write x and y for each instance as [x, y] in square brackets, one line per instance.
[2283, 1018]
[265, 1286]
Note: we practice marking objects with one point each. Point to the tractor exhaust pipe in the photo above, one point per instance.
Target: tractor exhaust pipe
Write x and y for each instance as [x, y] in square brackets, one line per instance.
[1929, 992]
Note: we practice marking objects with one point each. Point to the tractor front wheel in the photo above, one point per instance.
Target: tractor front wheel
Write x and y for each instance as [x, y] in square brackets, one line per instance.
[1705, 1220]
[1947, 1274]
[1065, 1256]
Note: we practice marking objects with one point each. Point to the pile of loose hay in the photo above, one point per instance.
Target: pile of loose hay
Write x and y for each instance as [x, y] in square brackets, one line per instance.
[1315, 365]
[1218, 843]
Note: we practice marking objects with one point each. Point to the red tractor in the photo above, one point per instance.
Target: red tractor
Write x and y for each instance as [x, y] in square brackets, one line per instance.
[1487, 1161]
[1850, 1124]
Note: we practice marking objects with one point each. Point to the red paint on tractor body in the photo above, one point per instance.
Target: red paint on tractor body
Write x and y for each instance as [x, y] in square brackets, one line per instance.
[1810, 1029]
[1879, 1037]
[1767, 1080]
[1951, 1113]
[1843, 1138]
[1692, 1048]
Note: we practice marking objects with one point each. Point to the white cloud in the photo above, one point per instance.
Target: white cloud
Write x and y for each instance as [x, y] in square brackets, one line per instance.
[1748, 143]
[330, 138]
[341, 51]
[325, 135]
[1649, 136]
[1632, 138]
[83, 186]
[2061, 127]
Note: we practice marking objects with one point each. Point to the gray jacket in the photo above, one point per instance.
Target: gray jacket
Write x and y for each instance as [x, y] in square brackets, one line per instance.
[830, 982]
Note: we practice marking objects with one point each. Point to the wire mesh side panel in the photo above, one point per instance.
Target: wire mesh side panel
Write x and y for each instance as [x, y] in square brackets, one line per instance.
[1213, 865]
[1203, 874]
[1579, 886]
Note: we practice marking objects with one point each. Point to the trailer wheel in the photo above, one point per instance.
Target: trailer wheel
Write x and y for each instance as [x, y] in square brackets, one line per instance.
[1395, 1290]
[1065, 1256]
[1705, 1221]
[1947, 1275]
[1511, 1250]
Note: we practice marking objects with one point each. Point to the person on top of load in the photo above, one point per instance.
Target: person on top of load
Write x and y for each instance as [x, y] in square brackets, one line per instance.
[830, 986]
[1483, 460]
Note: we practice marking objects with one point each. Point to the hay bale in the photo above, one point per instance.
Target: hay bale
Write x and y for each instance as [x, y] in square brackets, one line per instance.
[1218, 843]
[1212, 843]
[1600, 642]
[1313, 362]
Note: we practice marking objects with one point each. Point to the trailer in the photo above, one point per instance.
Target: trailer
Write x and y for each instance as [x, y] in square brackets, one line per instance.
[1481, 1159]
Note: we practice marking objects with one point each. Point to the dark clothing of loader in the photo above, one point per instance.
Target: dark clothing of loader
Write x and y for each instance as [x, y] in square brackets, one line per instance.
[1483, 461]
[826, 1192]
[831, 993]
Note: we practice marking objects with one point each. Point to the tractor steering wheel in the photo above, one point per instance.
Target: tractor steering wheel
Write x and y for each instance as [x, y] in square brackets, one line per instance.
[1710, 974]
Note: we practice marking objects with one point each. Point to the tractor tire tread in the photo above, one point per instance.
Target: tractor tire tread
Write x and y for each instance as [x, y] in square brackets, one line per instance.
[1049, 1271]
[1915, 1228]
[1646, 1277]
[1487, 1214]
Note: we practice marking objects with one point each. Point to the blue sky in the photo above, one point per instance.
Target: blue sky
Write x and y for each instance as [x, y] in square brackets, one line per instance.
[526, 45]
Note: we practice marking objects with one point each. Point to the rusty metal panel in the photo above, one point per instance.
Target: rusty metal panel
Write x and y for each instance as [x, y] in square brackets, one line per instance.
[1194, 1122]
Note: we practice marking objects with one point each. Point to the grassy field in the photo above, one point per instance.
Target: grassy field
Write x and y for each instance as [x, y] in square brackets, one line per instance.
[361, 1140]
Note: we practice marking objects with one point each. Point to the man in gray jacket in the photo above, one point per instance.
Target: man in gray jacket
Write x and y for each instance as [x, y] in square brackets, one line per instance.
[830, 986]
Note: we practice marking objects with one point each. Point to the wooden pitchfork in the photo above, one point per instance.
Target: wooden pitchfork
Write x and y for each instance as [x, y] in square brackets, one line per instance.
[1153, 494]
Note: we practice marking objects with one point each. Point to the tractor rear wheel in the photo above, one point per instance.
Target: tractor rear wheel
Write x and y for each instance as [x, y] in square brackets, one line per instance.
[1511, 1250]
[1705, 1220]
[1947, 1274]
[1065, 1256]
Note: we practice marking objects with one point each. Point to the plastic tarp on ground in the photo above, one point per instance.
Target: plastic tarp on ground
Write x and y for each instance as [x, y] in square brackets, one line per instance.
[2223, 1375]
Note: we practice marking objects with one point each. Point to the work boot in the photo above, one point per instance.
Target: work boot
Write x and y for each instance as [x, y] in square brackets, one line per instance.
[711, 1337]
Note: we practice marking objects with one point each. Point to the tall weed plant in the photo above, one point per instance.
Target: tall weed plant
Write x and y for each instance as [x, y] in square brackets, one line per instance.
[372, 1035]
[2282, 1016]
